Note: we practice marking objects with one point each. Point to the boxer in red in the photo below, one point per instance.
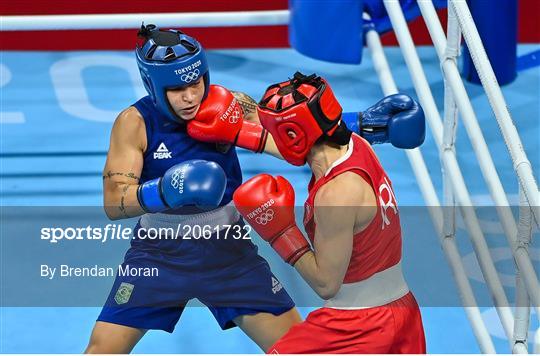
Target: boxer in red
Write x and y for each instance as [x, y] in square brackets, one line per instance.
[351, 219]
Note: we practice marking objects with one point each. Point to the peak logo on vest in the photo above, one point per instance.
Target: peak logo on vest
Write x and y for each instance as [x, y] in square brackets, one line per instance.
[387, 200]
[162, 152]
[276, 285]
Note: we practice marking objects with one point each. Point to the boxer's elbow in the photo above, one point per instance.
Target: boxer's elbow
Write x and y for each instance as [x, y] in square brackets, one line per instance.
[112, 212]
[111, 206]
[327, 289]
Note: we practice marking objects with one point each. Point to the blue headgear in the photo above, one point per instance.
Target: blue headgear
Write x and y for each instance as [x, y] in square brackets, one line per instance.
[170, 59]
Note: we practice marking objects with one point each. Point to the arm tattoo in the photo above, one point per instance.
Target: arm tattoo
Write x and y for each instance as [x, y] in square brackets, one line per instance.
[248, 104]
[111, 174]
[122, 207]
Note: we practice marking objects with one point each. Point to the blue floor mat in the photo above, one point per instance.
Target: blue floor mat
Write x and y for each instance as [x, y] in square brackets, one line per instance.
[57, 111]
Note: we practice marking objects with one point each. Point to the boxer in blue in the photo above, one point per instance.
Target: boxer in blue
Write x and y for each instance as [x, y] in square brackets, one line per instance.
[166, 164]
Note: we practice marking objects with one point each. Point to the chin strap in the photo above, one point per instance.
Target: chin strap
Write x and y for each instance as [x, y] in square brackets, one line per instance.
[341, 135]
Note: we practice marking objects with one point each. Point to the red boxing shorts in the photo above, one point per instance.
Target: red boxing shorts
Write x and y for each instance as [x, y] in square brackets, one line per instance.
[392, 328]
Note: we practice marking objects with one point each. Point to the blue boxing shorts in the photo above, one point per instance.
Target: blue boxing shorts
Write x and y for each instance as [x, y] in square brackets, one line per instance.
[224, 272]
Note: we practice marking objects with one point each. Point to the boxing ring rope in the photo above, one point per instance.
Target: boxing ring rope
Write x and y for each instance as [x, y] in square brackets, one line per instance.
[121, 21]
[479, 144]
[456, 194]
[522, 166]
[457, 97]
[525, 274]
[450, 165]
[432, 202]
[521, 324]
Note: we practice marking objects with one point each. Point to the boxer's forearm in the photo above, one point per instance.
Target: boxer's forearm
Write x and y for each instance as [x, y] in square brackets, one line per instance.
[120, 200]
[249, 108]
[323, 283]
[271, 147]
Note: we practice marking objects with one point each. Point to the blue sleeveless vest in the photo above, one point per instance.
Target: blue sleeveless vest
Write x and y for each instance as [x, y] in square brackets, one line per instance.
[169, 144]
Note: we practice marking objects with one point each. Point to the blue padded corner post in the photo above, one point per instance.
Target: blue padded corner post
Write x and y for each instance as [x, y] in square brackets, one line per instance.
[497, 25]
[328, 30]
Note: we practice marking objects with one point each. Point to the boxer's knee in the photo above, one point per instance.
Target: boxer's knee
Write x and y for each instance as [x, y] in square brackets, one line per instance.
[265, 328]
[108, 338]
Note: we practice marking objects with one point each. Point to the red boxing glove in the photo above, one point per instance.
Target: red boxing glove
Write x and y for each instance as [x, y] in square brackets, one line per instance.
[220, 119]
[267, 203]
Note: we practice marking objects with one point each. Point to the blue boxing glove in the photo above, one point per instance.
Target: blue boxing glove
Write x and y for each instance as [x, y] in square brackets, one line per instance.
[193, 182]
[397, 119]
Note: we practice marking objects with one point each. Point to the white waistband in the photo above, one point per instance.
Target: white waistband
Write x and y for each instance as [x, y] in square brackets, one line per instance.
[381, 288]
[225, 215]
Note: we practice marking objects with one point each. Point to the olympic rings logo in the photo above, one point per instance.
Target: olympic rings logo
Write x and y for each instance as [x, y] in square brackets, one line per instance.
[174, 179]
[191, 76]
[235, 116]
[265, 217]
[177, 180]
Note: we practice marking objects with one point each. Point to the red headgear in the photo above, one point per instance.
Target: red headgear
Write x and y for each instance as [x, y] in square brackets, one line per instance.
[299, 111]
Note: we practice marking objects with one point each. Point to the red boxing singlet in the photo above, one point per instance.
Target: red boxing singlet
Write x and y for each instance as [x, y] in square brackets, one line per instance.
[378, 246]
[373, 312]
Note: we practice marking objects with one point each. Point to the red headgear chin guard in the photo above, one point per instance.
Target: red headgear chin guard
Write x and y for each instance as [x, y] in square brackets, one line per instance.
[298, 112]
